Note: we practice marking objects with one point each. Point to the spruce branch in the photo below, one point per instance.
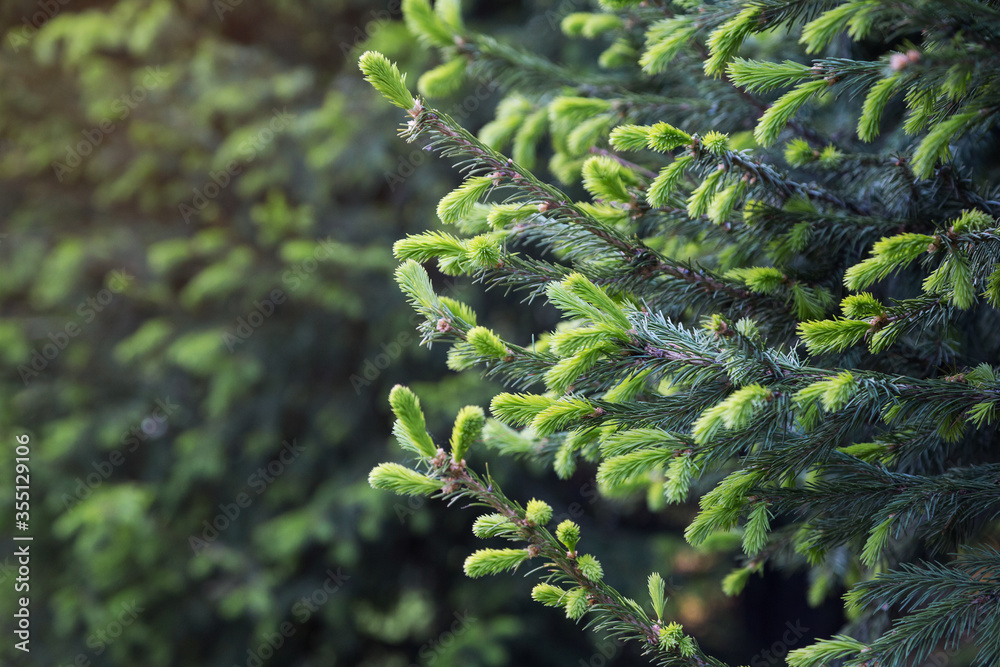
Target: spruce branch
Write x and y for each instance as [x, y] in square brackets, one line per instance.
[563, 564]
[695, 289]
[496, 170]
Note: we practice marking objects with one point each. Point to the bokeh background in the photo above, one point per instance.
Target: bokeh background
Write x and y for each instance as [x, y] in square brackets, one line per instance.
[199, 330]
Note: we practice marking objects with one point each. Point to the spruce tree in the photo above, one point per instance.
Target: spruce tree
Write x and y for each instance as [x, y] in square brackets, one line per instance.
[778, 295]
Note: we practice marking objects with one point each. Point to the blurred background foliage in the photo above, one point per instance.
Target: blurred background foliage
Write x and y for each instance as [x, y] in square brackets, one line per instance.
[199, 331]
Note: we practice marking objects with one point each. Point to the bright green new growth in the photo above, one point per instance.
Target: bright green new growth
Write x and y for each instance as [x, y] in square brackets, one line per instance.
[588, 133]
[628, 388]
[511, 113]
[833, 394]
[735, 412]
[822, 652]
[606, 179]
[386, 79]
[721, 507]
[972, 221]
[825, 336]
[538, 512]
[761, 76]
[755, 534]
[468, 427]
[572, 341]
[657, 594]
[460, 312]
[888, 255]
[482, 252]
[831, 156]
[664, 137]
[860, 306]
[411, 431]
[505, 215]
[562, 414]
[672, 638]
[726, 40]
[416, 284]
[527, 137]
[935, 145]
[762, 279]
[448, 249]
[778, 114]
[487, 343]
[590, 567]
[494, 561]
[664, 41]
[519, 409]
[871, 112]
[877, 541]
[581, 24]
[457, 204]
[680, 473]
[854, 16]
[617, 471]
[450, 12]
[702, 196]
[798, 152]
[548, 595]
[736, 581]
[402, 480]
[562, 375]
[579, 296]
[716, 143]
[493, 525]
[953, 278]
[666, 181]
[575, 603]
[725, 201]
[569, 534]
[430, 27]
[630, 137]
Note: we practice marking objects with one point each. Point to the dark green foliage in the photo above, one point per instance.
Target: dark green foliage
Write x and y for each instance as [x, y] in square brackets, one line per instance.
[751, 166]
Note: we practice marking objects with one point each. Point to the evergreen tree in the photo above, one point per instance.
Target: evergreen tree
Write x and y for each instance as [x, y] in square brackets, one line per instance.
[778, 295]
